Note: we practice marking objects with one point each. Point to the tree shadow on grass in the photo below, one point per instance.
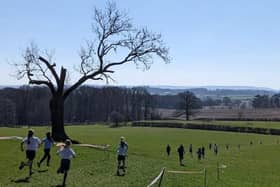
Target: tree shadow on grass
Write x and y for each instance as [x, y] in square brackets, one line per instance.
[22, 180]
[223, 182]
[42, 171]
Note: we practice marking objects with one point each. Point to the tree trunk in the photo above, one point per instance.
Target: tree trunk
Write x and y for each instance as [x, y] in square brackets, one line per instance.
[187, 114]
[57, 118]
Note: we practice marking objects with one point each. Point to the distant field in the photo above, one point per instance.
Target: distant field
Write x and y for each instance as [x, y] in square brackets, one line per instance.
[256, 165]
[258, 124]
[229, 114]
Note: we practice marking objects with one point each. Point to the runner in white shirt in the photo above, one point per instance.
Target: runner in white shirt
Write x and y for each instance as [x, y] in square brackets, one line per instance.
[66, 154]
[48, 143]
[31, 145]
[122, 153]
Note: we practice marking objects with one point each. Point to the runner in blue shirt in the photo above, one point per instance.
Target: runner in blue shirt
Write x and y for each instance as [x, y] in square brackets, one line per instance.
[48, 143]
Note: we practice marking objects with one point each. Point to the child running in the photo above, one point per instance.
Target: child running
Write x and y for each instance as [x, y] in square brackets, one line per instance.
[216, 149]
[181, 152]
[198, 152]
[168, 149]
[48, 143]
[122, 152]
[31, 145]
[66, 153]
[191, 150]
[203, 152]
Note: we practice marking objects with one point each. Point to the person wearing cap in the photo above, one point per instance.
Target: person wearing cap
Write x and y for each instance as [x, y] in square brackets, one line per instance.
[122, 153]
[66, 153]
[31, 145]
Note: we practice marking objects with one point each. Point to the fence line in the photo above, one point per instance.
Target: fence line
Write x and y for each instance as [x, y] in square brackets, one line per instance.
[193, 172]
[186, 172]
[158, 178]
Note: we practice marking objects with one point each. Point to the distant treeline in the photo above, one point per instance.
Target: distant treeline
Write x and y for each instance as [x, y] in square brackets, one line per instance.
[266, 101]
[213, 93]
[29, 105]
[171, 101]
[259, 101]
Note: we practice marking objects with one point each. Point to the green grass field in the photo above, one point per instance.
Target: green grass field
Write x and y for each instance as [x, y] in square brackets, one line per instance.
[256, 165]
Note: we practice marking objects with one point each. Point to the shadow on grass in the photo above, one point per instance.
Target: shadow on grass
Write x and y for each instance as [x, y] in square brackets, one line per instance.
[42, 171]
[223, 182]
[23, 180]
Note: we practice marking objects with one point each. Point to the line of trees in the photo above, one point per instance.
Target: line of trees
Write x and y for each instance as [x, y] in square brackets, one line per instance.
[29, 105]
[266, 101]
[171, 101]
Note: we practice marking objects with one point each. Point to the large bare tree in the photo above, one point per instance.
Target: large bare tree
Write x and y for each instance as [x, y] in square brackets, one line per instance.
[117, 42]
[187, 104]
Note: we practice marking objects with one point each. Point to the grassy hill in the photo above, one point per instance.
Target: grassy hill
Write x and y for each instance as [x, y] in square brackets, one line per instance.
[256, 165]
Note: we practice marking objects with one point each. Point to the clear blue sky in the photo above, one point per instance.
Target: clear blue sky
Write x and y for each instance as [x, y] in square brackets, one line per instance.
[212, 42]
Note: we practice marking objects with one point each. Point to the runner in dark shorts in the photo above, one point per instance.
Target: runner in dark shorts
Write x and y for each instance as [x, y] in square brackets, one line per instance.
[66, 154]
[191, 150]
[122, 152]
[64, 165]
[121, 158]
[48, 143]
[31, 145]
[30, 154]
[168, 149]
[181, 152]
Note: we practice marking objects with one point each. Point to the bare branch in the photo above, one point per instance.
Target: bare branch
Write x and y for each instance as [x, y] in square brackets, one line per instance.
[50, 67]
[33, 69]
[117, 37]
[118, 42]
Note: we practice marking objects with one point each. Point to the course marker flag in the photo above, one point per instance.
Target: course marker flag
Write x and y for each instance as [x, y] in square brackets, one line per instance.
[223, 166]
[220, 167]
[157, 178]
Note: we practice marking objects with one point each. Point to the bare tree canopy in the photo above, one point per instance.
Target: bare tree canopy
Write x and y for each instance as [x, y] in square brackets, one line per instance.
[116, 42]
[187, 104]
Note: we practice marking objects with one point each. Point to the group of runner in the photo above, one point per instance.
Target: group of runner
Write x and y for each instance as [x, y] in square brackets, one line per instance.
[31, 143]
[66, 153]
[200, 152]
